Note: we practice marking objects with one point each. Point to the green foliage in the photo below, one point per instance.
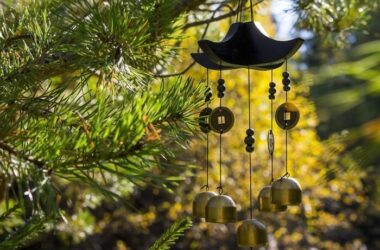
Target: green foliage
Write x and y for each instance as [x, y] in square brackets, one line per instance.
[88, 136]
[79, 106]
[334, 20]
[172, 234]
[27, 233]
[348, 96]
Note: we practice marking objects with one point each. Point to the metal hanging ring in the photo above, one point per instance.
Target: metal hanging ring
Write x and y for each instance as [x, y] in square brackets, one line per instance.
[220, 189]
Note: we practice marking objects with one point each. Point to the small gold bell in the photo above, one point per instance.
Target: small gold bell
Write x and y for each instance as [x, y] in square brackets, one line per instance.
[264, 201]
[199, 203]
[286, 192]
[252, 233]
[221, 209]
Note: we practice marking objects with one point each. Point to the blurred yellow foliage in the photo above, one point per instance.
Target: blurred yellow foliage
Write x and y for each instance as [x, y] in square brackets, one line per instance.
[308, 155]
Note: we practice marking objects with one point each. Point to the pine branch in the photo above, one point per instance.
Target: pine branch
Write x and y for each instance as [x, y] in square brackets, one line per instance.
[172, 234]
[231, 13]
[26, 233]
[7, 147]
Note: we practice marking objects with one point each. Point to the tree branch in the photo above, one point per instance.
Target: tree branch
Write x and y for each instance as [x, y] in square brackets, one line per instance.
[218, 18]
[203, 36]
[5, 146]
[211, 20]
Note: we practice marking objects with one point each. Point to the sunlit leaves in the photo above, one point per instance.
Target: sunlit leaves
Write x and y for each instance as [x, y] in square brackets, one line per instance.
[334, 20]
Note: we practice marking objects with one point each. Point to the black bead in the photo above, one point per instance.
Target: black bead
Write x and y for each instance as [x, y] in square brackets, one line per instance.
[271, 97]
[285, 74]
[286, 88]
[221, 88]
[250, 132]
[220, 94]
[249, 149]
[286, 81]
[272, 91]
[221, 81]
[272, 84]
[209, 95]
[249, 140]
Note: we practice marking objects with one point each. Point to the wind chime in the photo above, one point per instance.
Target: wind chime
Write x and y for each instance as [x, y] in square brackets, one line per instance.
[245, 46]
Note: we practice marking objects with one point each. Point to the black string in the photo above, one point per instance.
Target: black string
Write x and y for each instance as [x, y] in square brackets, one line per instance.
[286, 153]
[250, 154]
[249, 98]
[286, 131]
[220, 164]
[286, 69]
[251, 6]
[238, 11]
[207, 140]
[241, 11]
[220, 188]
[271, 129]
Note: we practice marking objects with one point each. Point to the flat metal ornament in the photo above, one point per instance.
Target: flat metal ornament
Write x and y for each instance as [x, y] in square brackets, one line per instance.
[270, 142]
[203, 120]
[221, 120]
[287, 116]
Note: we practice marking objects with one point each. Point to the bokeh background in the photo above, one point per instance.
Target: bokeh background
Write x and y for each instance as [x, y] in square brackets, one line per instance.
[334, 151]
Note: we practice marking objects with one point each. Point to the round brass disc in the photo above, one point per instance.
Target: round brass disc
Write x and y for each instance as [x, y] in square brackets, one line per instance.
[286, 192]
[221, 120]
[252, 233]
[203, 120]
[287, 116]
[200, 202]
[221, 209]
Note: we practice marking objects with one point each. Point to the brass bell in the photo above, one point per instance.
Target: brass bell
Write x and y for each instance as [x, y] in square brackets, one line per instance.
[252, 233]
[199, 203]
[286, 191]
[221, 209]
[264, 201]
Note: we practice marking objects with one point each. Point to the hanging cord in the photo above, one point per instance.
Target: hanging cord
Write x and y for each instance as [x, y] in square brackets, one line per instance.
[271, 129]
[286, 131]
[250, 141]
[238, 11]
[251, 7]
[250, 153]
[220, 188]
[242, 11]
[286, 69]
[207, 138]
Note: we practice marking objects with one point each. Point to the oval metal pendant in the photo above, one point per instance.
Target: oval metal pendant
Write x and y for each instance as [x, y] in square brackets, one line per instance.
[270, 142]
[221, 120]
[287, 116]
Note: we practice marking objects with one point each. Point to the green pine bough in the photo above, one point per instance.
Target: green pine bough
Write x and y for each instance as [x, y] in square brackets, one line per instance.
[80, 108]
[172, 234]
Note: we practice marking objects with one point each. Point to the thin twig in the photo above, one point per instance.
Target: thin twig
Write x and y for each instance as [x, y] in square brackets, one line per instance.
[178, 73]
[208, 22]
[215, 19]
[203, 36]
[5, 146]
